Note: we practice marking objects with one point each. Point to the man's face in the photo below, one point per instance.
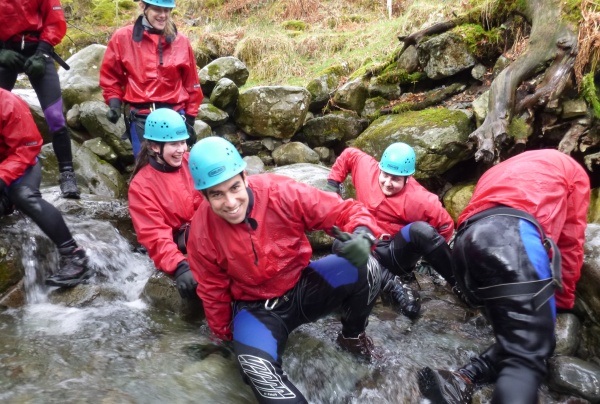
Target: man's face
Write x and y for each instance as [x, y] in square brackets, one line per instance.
[229, 199]
[391, 184]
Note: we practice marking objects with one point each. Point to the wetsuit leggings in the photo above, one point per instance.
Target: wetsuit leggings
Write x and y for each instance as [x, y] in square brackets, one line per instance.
[260, 334]
[415, 241]
[500, 250]
[47, 88]
[25, 194]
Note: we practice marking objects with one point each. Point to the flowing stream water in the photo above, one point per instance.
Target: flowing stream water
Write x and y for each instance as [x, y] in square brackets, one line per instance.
[115, 348]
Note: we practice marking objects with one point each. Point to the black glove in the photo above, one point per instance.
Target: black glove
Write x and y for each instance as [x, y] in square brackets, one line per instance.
[114, 112]
[35, 66]
[355, 247]
[186, 284]
[12, 60]
[332, 186]
[189, 122]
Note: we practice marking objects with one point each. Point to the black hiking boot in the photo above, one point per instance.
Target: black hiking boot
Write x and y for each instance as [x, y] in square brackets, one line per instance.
[402, 298]
[73, 269]
[68, 185]
[445, 387]
[361, 346]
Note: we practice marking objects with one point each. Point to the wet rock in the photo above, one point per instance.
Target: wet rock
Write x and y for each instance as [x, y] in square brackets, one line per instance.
[293, 153]
[588, 298]
[457, 198]
[255, 165]
[567, 330]
[225, 94]
[352, 95]
[160, 292]
[444, 55]
[332, 129]
[212, 115]
[80, 83]
[225, 67]
[574, 376]
[322, 88]
[272, 111]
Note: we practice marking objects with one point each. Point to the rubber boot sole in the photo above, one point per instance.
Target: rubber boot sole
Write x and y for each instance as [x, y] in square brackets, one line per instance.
[69, 283]
[429, 385]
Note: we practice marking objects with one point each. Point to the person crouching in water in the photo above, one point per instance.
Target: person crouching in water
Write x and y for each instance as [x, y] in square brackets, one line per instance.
[416, 223]
[20, 179]
[248, 248]
[162, 198]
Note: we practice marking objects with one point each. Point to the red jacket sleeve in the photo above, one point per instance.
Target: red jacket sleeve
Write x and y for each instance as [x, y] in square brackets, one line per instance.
[322, 210]
[112, 75]
[344, 163]
[21, 138]
[572, 237]
[152, 229]
[213, 283]
[191, 83]
[54, 25]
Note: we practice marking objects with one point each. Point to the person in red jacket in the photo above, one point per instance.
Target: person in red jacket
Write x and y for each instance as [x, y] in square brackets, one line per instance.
[414, 221]
[29, 30]
[522, 231]
[162, 198]
[249, 252]
[150, 65]
[20, 178]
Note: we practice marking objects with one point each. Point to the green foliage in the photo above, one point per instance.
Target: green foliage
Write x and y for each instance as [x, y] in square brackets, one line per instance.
[591, 93]
[294, 25]
[485, 45]
[518, 129]
[106, 12]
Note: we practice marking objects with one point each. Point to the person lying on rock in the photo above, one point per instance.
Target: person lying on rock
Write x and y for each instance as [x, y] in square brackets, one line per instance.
[518, 252]
[29, 31]
[415, 223]
[250, 254]
[20, 179]
[162, 198]
[149, 65]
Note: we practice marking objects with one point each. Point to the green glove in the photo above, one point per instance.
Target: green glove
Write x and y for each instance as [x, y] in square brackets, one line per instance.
[332, 186]
[11, 59]
[35, 66]
[355, 247]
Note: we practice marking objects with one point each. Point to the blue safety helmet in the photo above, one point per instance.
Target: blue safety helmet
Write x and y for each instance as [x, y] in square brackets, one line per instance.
[214, 160]
[160, 3]
[398, 159]
[165, 125]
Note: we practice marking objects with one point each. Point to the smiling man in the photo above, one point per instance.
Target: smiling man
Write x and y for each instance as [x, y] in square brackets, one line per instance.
[250, 255]
[416, 223]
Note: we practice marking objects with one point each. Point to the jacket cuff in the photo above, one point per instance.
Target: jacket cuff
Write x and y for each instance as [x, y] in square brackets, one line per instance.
[45, 47]
[182, 268]
[114, 103]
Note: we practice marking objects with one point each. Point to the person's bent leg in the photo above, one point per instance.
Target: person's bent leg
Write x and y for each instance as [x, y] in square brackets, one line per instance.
[47, 88]
[259, 339]
[25, 195]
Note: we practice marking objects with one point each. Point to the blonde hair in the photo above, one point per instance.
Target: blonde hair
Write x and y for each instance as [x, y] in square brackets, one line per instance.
[170, 30]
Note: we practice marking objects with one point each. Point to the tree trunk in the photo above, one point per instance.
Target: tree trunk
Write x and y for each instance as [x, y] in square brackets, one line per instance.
[551, 40]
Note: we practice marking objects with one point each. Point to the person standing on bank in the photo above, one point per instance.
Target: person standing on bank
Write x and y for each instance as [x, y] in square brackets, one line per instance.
[162, 198]
[518, 252]
[150, 65]
[29, 30]
[414, 221]
[20, 178]
[250, 254]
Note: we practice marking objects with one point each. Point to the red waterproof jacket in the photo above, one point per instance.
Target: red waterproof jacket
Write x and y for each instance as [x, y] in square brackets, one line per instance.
[20, 140]
[150, 70]
[413, 203]
[159, 204]
[33, 17]
[235, 262]
[553, 188]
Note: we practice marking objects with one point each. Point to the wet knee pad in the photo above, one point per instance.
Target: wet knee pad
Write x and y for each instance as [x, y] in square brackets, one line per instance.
[54, 116]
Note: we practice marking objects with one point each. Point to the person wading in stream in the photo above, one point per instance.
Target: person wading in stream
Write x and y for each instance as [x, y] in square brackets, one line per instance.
[29, 30]
[518, 252]
[415, 222]
[150, 65]
[162, 198]
[250, 254]
[20, 178]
